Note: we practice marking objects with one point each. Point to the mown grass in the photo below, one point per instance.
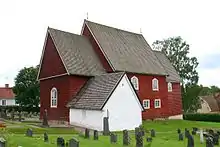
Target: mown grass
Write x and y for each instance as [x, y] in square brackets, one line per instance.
[166, 135]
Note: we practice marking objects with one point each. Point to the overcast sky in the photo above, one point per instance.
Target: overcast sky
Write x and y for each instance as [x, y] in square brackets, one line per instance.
[23, 27]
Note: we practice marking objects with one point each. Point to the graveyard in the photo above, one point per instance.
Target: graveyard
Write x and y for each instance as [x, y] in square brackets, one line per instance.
[165, 134]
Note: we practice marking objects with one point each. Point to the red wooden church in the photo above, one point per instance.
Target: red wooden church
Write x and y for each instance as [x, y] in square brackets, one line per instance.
[69, 61]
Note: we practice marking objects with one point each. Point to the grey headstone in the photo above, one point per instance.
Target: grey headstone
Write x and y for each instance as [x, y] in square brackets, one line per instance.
[87, 133]
[96, 135]
[180, 136]
[45, 119]
[73, 143]
[152, 133]
[2, 142]
[139, 140]
[209, 142]
[113, 138]
[216, 139]
[29, 132]
[46, 139]
[105, 126]
[186, 133]
[126, 139]
[60, 142]
[190, 142]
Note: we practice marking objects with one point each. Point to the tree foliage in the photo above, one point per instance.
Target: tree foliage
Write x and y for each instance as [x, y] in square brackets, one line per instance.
[177, 51]
[209, 90]
[26, 88]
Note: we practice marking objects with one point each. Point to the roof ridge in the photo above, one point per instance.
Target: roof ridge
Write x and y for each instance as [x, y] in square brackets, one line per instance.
[65, 32]
[113, 27]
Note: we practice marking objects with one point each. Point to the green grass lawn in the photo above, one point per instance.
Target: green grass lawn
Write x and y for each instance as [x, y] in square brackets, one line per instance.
[166, 135]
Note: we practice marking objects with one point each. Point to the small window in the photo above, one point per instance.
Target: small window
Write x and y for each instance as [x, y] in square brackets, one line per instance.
[3, 102]
[54, 97]
[146, 104]
[155, 84]
[134, 81]
[170, 88]
[157, 103]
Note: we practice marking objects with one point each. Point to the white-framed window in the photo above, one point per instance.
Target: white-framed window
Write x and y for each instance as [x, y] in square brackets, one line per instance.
[134, 81]
[169, 86]
[155, 84]
[146, 104]
[3, 102]
[157, 103]
[53, 97]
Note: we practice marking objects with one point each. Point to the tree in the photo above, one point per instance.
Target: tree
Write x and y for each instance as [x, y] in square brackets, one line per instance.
[209, 90]
[27, 89]
[177, 51]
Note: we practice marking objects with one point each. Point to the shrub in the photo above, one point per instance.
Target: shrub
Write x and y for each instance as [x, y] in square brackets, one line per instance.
[211, 117]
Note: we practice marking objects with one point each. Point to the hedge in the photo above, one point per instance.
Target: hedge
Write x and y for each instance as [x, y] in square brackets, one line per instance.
[211, 117]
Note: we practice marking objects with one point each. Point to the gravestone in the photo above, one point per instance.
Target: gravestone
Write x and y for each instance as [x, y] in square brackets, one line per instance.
[195, 129]
[186, 132]
[178, 131]
[139, 140]
[45, 137]
[149, 139]
[105, 126]
[190, 142]
[87, 133]
[45, 119]
[13, 114]
[141, 129]
[29, 132]
[60, 142]
[211, 131]
[19, 116]
[67, 144]
[209, 142]
[2, 142]
[216, 139]
[152, 133]
[113, 138]
[126, 140]
[193, 132]
[73, 142]
[180, 136]
[201, 136]
[95, 135]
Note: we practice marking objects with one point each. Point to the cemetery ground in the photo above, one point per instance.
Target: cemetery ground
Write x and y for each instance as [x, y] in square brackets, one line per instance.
[166, 134]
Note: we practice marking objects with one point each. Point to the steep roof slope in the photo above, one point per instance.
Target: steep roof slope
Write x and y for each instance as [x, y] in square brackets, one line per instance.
[96, 91]
[213, 104]
[76, 53]
[126, 51]
[6, 93]
[168, 67]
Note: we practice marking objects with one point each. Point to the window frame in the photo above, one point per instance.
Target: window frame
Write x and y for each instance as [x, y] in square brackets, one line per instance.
[153, 84]
[52, 98]
[170, 87]
[135, 82]
[157, 100]
[148, 102]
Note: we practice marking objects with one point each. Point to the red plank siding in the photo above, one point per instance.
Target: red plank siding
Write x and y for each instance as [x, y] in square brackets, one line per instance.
[88, 34]
[175, 100]
[51, 63]
[67, 87]
[145, 92]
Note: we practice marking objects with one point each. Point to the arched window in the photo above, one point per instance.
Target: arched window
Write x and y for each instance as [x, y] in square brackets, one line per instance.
[53, 97]
[134, 81]
[169, 86]
[155, 84]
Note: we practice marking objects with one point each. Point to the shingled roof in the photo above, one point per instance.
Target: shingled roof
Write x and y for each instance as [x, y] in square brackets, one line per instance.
[173, 76]
[96, 91]
[213, 103]
[77, 53]
[126, 51]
